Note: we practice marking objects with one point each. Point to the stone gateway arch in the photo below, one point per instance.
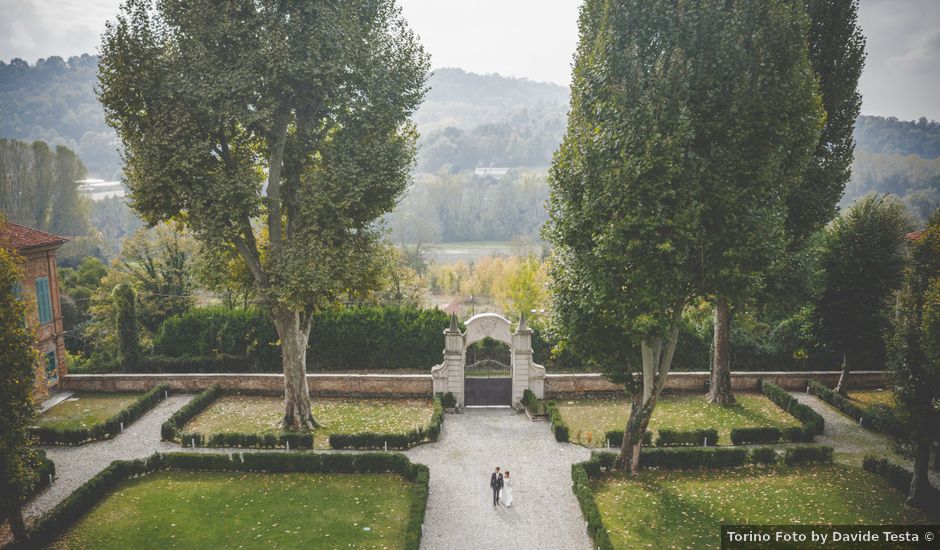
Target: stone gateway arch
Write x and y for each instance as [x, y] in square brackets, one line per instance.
[489, 389]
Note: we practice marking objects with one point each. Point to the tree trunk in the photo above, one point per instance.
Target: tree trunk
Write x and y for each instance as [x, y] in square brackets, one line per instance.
[633, 434]
[297, 410]
[719, 390]
[18, 526]
[920, 483]
[843, 386]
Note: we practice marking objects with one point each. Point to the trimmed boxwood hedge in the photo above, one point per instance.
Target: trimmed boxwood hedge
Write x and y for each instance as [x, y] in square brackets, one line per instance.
[900, 478]
[807, 454]
[370, 440]
[559, 428]
[171, 431]
[813, 423]
[56, 521]
[102, 430]
[581, 485]
[693, 457]
[666, 437]
[615, 438]
[878, 417]
[746, 436]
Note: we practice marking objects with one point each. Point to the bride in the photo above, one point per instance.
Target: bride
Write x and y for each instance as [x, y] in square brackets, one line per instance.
[507, 490]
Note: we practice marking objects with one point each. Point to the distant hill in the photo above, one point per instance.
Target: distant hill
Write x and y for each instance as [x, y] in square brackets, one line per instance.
[890, 136]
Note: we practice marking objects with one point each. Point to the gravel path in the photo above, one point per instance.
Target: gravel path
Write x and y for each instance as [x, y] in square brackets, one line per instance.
[460, 514]
[76, 465]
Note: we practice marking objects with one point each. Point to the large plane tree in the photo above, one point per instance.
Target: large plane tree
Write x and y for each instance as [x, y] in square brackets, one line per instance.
[687, 121]
[277, 129]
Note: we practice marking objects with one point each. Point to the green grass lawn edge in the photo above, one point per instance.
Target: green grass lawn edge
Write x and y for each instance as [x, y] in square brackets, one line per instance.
[57, 521]
[171, 430]
[103, 430]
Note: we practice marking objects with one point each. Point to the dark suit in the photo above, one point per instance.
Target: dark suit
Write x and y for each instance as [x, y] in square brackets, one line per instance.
[496, 483]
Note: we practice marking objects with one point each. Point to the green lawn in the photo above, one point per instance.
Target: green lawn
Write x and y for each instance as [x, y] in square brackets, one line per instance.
[684, 509]
[867, 398]
[674, 411]
[263, 414]
[173, 509]
[84, 410]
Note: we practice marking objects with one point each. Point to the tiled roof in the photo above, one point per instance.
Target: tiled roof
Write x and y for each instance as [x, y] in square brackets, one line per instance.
[915, 235]
[20, 237]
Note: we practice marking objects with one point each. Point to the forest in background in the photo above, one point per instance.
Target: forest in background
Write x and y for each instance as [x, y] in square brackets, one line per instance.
[467, 121]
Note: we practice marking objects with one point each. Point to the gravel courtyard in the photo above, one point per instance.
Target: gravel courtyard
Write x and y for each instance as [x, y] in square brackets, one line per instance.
[460, 512]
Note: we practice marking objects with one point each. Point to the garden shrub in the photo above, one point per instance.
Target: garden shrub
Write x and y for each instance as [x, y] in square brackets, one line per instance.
[877, 417]
[900, 478]
[169, 431]
[559, 428]
[666, 437]
[615, 437]
[581, 486]
[56, 521]
[806, 454]
[533, 405]
[693, 457]
[747, 436]
[102, 430]
[448, 401]
[763, 456]
[370, 440]
[813, 423]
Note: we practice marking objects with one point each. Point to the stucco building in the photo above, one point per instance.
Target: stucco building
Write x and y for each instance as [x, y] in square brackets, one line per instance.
[40, 287]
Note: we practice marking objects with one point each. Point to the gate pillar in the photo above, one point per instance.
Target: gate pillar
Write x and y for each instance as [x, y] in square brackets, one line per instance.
[525, 373]
[448, 376]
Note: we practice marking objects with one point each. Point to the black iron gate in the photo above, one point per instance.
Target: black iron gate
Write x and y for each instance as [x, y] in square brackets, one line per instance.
[487, 383]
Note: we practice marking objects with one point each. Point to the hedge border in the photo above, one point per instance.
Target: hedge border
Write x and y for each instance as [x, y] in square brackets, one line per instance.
[671, 458]
[879, 421]
[813, 423]
[53, 523]
[371, 440]
[559, 427]
[900, 478]
[102, 430]
[45, 471]
[172, 431]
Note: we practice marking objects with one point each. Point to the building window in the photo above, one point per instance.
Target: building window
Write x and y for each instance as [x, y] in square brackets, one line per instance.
[52, 370]
[43, 300]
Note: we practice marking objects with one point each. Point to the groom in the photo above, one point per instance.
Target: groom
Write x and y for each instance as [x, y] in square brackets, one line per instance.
[496, 483]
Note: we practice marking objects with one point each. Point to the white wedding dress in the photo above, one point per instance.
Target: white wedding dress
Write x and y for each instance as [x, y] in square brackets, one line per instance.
[506, 497]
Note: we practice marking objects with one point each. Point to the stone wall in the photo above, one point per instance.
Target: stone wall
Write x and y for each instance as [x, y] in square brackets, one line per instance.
[419, 385]
[325, 385]
[572, 385]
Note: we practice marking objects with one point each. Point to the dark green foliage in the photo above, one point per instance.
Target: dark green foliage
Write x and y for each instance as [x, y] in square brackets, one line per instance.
[807, 454]
[53, 523]
[763, 456]
[369, 440]
[694, 457]
[615, 438]
[201, 364]
[879, 418]
[125, 305]
[104, 430]
[581, 485]
[747, 436]
[890, 136]
[900, 478]
[532, 404]
[813, 423]
[559, 428]
[862, 262]
[169, 431]
[666, 437]
[356, 338]
[448, 401]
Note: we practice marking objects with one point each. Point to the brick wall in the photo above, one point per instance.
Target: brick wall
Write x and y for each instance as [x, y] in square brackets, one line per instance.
[326, 385]
[570, 385]
[417, 385]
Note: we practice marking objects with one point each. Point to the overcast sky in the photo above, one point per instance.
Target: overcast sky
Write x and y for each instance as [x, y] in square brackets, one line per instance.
[533, 39]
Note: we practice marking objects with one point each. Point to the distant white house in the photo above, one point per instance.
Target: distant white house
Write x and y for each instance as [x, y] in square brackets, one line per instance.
[491, 171]
[97, 190]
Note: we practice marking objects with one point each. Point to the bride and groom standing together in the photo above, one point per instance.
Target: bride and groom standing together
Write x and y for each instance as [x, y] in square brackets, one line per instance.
[502, 488]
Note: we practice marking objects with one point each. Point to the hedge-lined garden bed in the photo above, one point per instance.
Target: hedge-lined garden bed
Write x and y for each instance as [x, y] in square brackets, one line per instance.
[217, 419]
[215, 500]
[681, 420]
[74, 422]
[683, 495]
[874, 416]
[900, 478]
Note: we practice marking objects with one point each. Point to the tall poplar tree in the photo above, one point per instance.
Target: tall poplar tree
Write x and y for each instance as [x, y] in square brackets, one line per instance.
[275, 129]
[688, 121]
[837, 55]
